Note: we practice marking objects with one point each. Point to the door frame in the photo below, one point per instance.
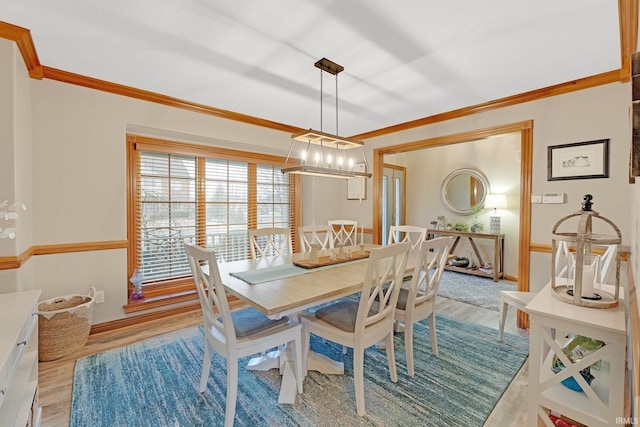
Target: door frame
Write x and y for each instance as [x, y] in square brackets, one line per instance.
[404, 191]
[525, 128]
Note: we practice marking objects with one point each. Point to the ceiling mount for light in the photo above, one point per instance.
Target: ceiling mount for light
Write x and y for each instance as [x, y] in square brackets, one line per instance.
[314, 160]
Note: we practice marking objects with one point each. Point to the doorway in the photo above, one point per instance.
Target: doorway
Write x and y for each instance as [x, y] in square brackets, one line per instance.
[393, 198]
[525, 130]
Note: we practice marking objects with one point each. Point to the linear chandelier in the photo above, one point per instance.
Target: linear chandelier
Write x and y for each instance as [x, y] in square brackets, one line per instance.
[324, 154]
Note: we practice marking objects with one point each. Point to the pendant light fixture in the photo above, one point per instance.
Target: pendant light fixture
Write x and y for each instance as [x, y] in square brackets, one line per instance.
[324, 154]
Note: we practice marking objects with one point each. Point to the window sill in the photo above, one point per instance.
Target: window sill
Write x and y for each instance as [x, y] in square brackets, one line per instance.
[152, 302]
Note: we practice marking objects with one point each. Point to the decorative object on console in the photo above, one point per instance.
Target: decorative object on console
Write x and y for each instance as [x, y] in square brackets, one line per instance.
[476, 226]
[495, 201]
[334, 162]
[9, 212]
[576, 284]
[460, 262]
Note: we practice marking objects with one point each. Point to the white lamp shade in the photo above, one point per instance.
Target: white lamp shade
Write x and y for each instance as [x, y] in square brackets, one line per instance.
[495, 201]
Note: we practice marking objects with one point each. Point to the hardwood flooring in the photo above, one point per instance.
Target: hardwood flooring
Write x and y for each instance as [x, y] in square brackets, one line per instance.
[56, 376]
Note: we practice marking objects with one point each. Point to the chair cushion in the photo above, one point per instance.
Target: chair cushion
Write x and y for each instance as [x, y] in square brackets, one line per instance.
[249, 321]
[402, 299]
[342, 315]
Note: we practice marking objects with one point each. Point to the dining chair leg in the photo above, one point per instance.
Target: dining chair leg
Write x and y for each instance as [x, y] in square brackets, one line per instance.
[206, 366]
[434, 338]
[358, 379]
[408, 346]
[503, 317]
[391, 357]
[232, 391]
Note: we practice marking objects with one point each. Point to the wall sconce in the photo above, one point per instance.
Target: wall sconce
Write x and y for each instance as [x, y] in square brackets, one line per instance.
[495, 201]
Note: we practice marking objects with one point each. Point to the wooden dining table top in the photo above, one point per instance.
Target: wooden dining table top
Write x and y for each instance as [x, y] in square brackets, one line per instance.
[291, 295]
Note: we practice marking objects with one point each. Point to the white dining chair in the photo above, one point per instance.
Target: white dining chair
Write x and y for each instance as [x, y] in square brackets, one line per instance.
[359, 324]
[520, 299]
[418, 302]
[314, 234]
[407, 233]
[343, 232]
[270, 241]
[235, 334]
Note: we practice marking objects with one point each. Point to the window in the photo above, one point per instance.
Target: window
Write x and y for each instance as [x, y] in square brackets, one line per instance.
[209, 196]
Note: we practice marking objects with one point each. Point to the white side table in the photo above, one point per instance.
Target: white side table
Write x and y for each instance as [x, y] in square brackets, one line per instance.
[602, 402]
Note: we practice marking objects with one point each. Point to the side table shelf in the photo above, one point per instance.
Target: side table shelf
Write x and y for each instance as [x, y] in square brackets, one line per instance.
[19, 359]
[598, 404]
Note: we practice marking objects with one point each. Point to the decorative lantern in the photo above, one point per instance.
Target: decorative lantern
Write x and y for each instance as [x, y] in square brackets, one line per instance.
[576, 270]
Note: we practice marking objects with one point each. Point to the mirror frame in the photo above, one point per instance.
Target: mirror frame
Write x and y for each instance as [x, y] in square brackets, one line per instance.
[468, 171]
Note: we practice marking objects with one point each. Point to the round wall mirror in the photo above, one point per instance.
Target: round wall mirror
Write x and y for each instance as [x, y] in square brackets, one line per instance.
[463, 189]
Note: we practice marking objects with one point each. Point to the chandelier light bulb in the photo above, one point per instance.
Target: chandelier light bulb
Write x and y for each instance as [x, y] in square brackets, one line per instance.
[304, 156]
[317, 158]
[329, 159]
[350, 164]
[340, 161]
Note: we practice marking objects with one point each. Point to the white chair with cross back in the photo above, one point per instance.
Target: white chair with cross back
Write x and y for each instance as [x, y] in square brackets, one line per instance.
[270, 241]
[314, 234]
[235, 334]
[418, 302]
[343, 232]
[520, 299]
[359, 324]
[407, 233]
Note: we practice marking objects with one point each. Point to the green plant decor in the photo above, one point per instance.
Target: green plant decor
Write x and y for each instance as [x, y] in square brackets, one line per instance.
[458, 226]
[476, 226]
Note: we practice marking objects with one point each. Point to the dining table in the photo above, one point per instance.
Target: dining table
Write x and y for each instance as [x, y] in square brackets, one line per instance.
[286, 285]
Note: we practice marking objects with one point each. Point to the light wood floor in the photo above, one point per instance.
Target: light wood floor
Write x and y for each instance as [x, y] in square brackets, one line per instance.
[56, 377]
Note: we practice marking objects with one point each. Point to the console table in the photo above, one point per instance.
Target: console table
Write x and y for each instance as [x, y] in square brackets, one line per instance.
[498, 251]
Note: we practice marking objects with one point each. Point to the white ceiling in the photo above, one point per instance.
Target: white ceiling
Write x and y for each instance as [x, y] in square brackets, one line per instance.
[403, 60]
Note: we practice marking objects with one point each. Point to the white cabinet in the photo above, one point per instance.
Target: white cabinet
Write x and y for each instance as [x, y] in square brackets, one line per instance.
[601, 403]
[19, 359]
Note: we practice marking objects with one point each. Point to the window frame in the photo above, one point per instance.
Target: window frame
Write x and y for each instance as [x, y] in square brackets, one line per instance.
[179, 289]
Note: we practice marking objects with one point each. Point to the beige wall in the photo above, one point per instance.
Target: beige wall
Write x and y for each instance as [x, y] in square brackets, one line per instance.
[15, 159]
[71, 170]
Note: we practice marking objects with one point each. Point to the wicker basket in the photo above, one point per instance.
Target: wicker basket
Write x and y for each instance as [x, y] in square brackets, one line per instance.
[63, 325]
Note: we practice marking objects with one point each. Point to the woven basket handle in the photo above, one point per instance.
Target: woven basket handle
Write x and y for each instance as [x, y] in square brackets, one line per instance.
[92, 293]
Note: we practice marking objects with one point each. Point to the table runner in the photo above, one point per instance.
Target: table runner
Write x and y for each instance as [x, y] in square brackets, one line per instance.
[261, 275]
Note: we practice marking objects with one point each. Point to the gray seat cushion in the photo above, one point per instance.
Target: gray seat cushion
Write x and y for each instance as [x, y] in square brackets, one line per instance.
[342, 315]
[402, 299]
[249, 321]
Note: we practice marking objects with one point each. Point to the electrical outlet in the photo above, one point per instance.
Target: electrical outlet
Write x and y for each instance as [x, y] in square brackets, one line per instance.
[99, 297]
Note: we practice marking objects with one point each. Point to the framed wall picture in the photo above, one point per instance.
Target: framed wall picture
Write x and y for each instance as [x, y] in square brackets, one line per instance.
[579, 160]
[357, 187]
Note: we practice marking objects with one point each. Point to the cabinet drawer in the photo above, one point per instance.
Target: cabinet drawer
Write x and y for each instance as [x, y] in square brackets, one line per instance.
[17, 349]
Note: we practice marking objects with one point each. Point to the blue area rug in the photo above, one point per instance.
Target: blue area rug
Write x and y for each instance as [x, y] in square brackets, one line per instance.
[475, 290]
[154, 383]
